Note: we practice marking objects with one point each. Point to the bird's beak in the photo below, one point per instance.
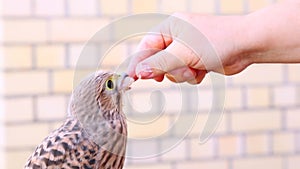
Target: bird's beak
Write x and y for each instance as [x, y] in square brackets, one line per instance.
[124, 82]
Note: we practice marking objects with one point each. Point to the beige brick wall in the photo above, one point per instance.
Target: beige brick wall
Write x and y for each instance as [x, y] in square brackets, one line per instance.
[42, 40]
[256, 144]
[24, 30]
[259, 163]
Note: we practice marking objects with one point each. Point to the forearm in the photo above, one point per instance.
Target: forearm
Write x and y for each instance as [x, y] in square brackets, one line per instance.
[273, 34]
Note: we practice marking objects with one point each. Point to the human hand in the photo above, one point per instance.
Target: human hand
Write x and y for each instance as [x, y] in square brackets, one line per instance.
[227, 44]
[168, 52]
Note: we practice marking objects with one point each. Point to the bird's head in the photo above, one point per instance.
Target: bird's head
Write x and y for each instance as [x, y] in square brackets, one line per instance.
[98, 94]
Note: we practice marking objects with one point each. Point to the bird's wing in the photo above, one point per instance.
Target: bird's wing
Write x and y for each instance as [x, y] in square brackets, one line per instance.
[64, 148]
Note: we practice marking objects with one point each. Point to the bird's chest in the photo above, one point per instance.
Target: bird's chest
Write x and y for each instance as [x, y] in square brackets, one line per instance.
[109, 132]
[113, 144]
[118, 125]
[110, 139]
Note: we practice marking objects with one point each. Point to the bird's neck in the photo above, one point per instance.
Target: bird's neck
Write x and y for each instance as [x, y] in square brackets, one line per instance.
[110, 124]
[72, 124]
[113, 114]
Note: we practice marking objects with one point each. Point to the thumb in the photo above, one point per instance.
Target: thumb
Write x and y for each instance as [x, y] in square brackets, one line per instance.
[175, 56]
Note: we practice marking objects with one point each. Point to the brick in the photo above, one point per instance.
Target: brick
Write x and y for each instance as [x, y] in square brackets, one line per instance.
[51, 107]
[63, 81]
[207, 81]
[141, 102]
[204, 6]
[18, 109]
[90, 59]
[16, 57]
[136, 160]
[50, 56]
[30, 134]
[151, 101]
[222, 125]
[297, 97]
[229, 146]
[260, 74]
[200, 122]
[147, 166]
[258, 163]
[293, 72]
[256, 121]
[25, 83]
[2, 128]
[16, 159]
[254, 5]
[147, 127]
[144, 6]
[75, 29]
[233, 98]
[197, 123]
[49, 8]
[213, 164]
[283, 143]
[1, 58]
[55, 125]
[78, 75]
[2, 159]
[174, 101]
[292, 119]
[293, 162]
[171, 7]
[285, 96]
[189, 95]
[205, 150]
[135, 146]
[231, 6]
[2, 88]
[110, 7]
[187, 124]
[75, 51]
[257, 144]
[85, 56]
[200, 99]
[258, 97]
[175, 149]
[15, 8]
[33, 31]
[115, 56]
[82, 7]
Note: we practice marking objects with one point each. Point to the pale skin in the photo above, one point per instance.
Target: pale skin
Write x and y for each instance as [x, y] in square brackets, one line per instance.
[269, 35]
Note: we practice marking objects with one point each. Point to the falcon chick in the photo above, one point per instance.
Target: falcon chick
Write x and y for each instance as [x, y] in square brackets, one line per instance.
[94, 134]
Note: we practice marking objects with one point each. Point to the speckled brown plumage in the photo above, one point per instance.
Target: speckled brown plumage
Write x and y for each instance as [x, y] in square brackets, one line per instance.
[94, 134]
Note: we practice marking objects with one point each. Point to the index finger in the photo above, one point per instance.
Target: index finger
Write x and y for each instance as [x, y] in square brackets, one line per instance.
[149, 45]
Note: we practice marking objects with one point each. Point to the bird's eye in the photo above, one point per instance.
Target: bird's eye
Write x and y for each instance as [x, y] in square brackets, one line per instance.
[110, 84]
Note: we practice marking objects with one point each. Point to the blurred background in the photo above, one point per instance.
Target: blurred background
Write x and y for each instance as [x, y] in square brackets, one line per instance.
[41, 41]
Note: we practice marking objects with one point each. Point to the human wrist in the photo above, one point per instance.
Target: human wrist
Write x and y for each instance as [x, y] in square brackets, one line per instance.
[272, 34]
[252, 39]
